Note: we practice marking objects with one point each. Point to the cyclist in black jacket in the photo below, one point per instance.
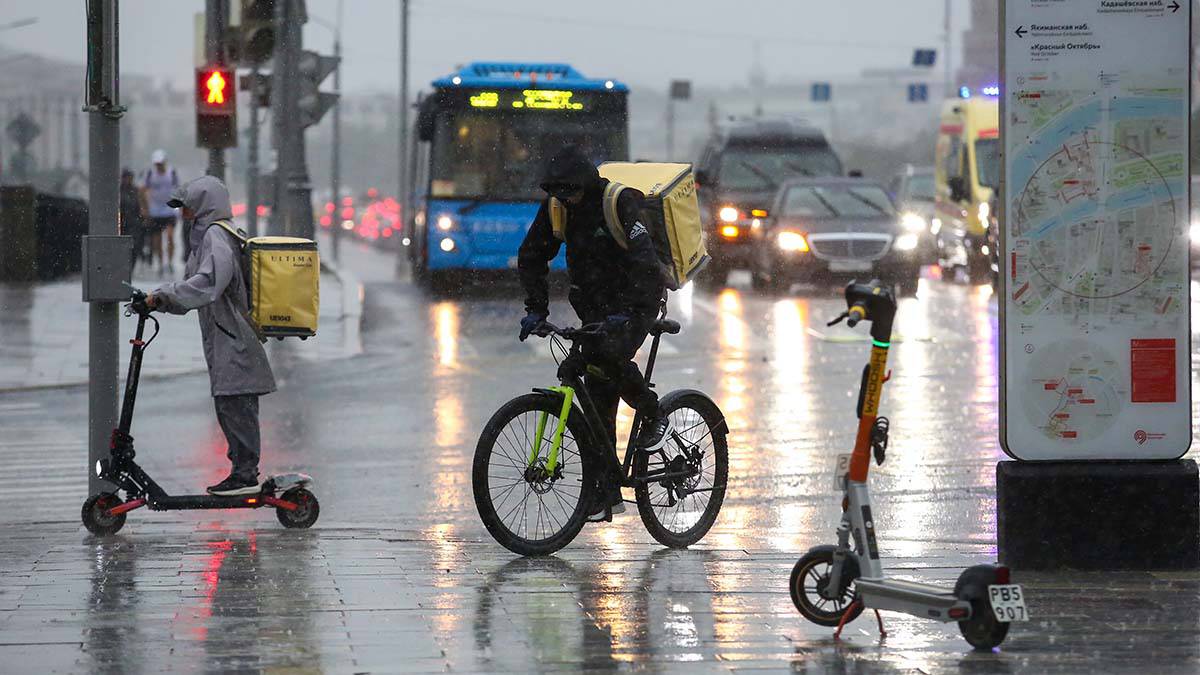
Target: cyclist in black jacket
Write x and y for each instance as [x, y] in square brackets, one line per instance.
[619, 287]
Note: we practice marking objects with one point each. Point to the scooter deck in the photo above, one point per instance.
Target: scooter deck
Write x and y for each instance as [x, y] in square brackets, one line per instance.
[909, 597]
[179, 502]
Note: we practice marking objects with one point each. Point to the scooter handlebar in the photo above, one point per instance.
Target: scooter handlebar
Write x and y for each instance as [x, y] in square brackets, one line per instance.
[855, 314]
[137, 300]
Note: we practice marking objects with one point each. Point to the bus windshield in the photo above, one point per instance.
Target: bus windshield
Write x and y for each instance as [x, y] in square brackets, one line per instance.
[987, 162]
[762, 169]
[500, 157]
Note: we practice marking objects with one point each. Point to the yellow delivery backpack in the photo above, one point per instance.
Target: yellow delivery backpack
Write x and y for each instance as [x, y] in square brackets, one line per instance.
[669, 211]
[283, 277]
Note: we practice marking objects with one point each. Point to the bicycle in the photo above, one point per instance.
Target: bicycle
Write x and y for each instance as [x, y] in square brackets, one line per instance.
[550, 449]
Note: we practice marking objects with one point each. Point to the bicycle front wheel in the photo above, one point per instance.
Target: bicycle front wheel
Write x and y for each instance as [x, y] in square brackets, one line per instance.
[529, 506]
[685, 480]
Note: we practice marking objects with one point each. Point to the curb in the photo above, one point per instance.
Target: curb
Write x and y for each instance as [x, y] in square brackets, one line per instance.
[353, 297]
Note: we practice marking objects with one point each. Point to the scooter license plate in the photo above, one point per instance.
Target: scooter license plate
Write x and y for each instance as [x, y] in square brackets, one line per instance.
[1008, 602]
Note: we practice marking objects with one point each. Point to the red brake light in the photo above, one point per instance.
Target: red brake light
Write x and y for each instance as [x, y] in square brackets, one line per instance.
[1003, 575]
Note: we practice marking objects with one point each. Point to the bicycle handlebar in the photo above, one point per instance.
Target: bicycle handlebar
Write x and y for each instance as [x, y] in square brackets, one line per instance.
[546, 328]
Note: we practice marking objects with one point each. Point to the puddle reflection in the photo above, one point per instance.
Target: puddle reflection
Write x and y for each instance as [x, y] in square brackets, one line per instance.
[601, 614]
[238, 605]
[114, 646]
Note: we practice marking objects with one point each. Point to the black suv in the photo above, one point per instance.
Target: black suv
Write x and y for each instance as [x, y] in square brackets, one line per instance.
[738, 174]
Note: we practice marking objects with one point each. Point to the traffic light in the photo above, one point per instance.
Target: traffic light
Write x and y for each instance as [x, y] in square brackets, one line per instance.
[216, 107]
[257, 32]
[313, 69]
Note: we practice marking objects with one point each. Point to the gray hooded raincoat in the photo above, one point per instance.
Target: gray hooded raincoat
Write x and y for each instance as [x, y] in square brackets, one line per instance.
[215, 285]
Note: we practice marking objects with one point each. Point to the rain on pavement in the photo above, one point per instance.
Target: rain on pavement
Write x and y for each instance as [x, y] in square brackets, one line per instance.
[399, 574]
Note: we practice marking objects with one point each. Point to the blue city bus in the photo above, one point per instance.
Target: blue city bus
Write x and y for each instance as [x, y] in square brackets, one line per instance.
[484, 134]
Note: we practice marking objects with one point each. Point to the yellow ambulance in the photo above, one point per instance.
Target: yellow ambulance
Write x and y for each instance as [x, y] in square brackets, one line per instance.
[967, 173]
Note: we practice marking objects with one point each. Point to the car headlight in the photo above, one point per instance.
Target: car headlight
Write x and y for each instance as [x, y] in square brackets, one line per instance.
[985, 210]
[1194, 232]
[99, 468]
[728, 214]
[906, 242]
[791, 242]
[445, 223]
[935, 226]
[912, 222]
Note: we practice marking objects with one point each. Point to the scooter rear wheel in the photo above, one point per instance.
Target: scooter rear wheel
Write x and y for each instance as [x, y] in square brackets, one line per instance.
[95, 514]
[982, 630]
[810, 577]
[306, 513]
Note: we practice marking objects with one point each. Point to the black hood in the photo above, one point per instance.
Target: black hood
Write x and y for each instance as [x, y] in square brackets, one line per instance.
[570, 166]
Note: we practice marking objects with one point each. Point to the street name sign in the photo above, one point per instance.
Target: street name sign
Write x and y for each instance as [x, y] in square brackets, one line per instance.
[1094, 293]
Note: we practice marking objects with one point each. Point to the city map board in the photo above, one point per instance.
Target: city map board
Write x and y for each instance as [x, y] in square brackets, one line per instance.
[1095, 294]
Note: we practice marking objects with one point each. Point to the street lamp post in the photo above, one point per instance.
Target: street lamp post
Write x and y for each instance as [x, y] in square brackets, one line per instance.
[402, 166]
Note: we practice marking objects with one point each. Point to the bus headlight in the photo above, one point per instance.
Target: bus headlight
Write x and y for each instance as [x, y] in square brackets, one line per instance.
[445, 223]
[912, 222]
[447, 244]
[792, 242]
[728, 214]
[906, 242]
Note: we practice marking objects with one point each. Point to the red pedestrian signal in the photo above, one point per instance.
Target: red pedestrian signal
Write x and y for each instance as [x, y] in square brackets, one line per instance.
[216, 87]
[216, 92]
[216, 107]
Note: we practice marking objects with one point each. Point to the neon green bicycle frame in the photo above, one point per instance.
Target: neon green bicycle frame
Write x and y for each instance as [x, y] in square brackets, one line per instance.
[535, 450]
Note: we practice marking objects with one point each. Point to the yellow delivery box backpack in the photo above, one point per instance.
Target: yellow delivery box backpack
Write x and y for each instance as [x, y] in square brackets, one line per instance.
[283, 277]
[668, 210]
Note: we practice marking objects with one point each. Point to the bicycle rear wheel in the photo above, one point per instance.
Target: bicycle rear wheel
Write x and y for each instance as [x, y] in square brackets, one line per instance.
[679, 511]
[526, 507]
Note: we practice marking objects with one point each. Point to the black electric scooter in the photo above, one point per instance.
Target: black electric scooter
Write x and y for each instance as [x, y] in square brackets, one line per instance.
[104, 513]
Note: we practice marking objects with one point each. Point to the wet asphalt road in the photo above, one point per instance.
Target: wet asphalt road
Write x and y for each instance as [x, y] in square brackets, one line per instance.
[399, 575]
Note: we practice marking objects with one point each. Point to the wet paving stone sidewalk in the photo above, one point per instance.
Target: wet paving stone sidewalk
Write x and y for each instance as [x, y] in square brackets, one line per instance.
[247, 599]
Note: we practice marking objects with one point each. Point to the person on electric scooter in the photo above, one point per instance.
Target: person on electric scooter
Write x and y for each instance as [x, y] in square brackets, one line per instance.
[215, 286]
[619, 287]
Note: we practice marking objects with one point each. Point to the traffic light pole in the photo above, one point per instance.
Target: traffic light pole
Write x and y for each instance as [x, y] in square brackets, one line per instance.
[216, 23]
[252, 199]
[293, 214]
[104, 170]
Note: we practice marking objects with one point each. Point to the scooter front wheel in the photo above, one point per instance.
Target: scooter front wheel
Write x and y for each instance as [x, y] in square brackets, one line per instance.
[96, 517]
[306, 512]
[810, 587]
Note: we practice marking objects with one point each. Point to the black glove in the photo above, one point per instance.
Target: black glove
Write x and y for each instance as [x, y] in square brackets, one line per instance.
[530, 324]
